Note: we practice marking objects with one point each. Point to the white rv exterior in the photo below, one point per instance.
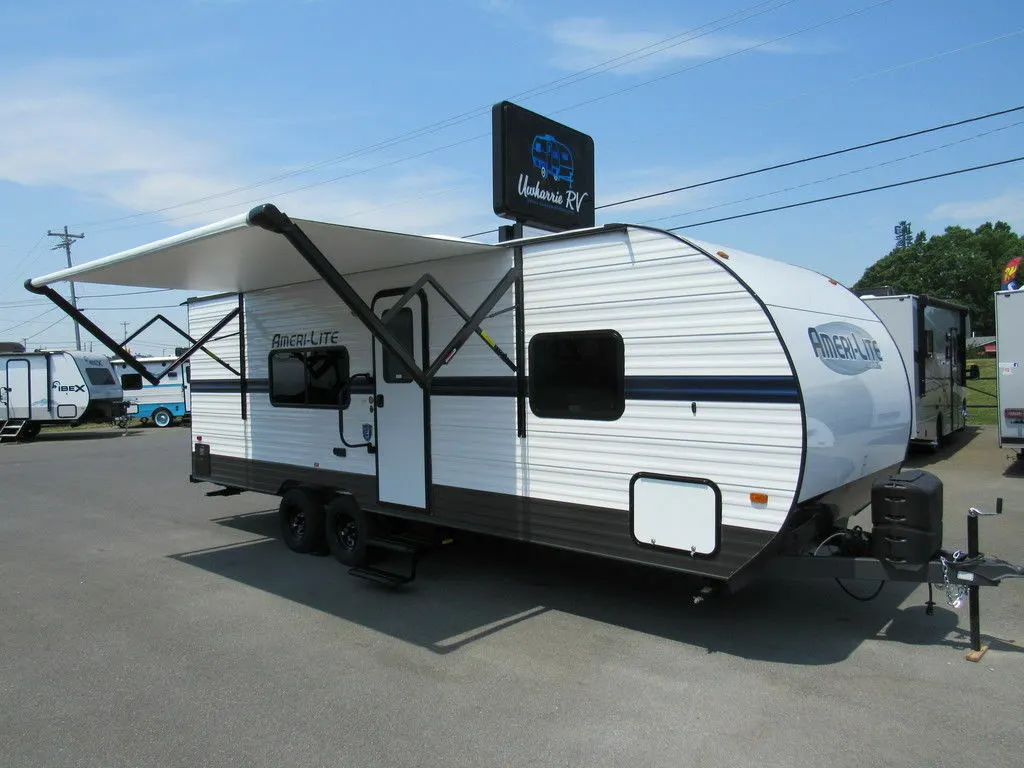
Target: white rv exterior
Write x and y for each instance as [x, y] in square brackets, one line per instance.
[40, 388]
[931, 335]
[674, 403]
[160, 403]
[1010, 369]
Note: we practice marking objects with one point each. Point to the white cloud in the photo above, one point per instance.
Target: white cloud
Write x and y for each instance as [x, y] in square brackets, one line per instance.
[1006, 207]
[61, 126]
[587, 42]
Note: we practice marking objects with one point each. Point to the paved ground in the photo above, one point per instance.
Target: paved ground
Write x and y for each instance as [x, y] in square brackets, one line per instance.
[142, 624]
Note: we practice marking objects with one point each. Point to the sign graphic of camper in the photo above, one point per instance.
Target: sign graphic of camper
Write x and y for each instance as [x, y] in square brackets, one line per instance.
[553, 158]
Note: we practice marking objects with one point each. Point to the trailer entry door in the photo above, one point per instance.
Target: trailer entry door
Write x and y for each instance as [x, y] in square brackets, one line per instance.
[19, 394]
[401, 410]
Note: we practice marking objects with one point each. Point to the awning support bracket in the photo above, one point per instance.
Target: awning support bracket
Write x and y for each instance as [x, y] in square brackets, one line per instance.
[272, 219]
[118, 349]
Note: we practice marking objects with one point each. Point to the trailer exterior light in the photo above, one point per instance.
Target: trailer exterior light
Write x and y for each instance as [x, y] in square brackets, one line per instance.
[722, 255]
[1014, 413]
[759, 498]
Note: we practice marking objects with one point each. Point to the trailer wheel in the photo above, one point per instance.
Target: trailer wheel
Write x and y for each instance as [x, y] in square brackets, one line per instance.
[162, 417]
[30, 431]
[348, 529]
[302, 520]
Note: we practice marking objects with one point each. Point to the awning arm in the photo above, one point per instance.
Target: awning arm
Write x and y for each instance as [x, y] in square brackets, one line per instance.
[126, 356]
[428, 279]
[181, 333]
[270, 218]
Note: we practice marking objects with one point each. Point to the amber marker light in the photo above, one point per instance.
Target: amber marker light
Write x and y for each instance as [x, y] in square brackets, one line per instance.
[759, 498]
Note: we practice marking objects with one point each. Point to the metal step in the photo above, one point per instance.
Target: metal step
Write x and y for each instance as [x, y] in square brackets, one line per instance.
[11, 429]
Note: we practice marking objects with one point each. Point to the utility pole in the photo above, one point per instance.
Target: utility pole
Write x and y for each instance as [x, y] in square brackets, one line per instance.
[65, 243]
[124, 324]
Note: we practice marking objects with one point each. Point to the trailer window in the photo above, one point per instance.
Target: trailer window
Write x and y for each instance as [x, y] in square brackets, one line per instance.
[310, 378]
[99, 376]
[401, 328]
[577, 375]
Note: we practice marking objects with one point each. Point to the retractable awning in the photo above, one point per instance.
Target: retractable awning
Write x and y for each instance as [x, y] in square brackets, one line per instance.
[236, 255]
[265, 248]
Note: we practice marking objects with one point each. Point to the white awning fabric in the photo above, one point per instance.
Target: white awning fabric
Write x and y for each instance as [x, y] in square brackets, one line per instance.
[234, 256]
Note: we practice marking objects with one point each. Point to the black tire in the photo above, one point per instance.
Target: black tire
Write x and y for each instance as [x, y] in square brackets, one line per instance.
[939, 439]
[348, 529]
[162, 418]
[30, 431]
[301, 516]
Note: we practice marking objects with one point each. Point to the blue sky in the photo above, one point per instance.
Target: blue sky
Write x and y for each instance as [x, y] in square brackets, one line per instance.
[129, 121]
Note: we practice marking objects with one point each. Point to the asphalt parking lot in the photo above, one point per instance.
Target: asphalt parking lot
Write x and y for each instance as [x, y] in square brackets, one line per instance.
[143, 624]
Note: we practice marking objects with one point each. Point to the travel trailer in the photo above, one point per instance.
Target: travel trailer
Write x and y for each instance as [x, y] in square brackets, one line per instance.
[160, 403]
[1010, 369]
[55, 387]
[619, 391]
[931, 335]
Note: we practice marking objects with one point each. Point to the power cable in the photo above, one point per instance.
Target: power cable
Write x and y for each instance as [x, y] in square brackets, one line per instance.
[47, 327]
[848, 194]
[31, 320]
[623, 59]
[666, 76]
[20, 263]
[811, 158]
[835, 176]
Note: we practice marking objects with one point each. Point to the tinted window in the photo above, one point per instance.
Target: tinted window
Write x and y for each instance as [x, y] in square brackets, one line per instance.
[309, 377]
[577, 375]
[99, 376]
[401, 327]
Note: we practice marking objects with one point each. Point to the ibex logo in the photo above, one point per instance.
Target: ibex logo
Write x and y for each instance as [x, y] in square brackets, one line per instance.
[845, 348]
[58, 387]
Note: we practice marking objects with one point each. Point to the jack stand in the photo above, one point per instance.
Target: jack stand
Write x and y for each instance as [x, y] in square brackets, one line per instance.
[973, 592]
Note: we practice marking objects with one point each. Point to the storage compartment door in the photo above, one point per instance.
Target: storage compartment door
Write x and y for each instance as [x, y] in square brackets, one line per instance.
[679, 513]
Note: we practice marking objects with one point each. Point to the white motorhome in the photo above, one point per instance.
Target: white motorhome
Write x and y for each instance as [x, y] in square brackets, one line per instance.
[1010, 369]
[54, 387]
[163, 402]
[620, 391]
[931, 335]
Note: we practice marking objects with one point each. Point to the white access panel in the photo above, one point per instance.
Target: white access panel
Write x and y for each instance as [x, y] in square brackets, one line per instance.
[676, 514]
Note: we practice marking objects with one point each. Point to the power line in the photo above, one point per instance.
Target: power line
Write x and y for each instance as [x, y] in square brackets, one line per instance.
[833, 177]
[618, 61]
[78, 340]
[118, 309]
[30, 320]
[24, 258]
[658, 79]
[848, 194]
[821, 156]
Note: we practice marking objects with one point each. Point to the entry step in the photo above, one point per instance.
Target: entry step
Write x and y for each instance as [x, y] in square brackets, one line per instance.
[388, 578]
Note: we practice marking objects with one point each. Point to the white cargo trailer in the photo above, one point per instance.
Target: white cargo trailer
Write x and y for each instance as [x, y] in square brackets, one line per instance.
[619, 391]
[931, 335]
[54, 387]
[1010, 369]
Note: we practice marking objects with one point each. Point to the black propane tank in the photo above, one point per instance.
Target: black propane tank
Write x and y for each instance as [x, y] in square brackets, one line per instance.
[906, 517]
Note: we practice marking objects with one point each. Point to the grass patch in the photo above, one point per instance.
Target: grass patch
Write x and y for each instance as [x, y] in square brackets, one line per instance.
[982, 392]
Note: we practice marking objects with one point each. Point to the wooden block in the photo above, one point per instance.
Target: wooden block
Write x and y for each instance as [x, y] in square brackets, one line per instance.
[976, 655]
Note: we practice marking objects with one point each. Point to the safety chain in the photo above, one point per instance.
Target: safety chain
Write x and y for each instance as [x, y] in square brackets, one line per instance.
[955, 593]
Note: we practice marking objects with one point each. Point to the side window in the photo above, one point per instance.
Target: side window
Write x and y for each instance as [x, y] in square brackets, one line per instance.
[577, 375]
[401, 327]
[310, 378]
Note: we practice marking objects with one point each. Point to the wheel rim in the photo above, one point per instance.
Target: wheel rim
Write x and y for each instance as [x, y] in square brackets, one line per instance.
[347, 533]
[297, 523]
[161, 419]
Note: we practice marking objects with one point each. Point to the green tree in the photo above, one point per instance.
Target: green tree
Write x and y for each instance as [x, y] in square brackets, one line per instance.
[959, 265]
[904, 237]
